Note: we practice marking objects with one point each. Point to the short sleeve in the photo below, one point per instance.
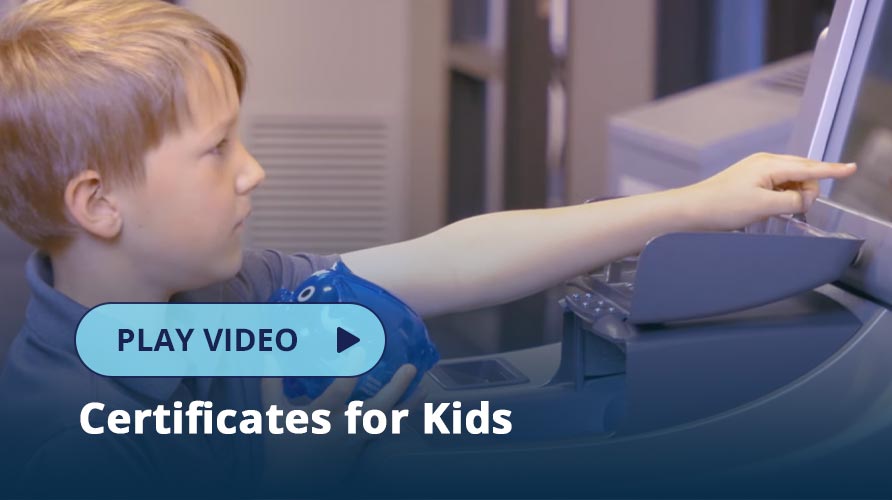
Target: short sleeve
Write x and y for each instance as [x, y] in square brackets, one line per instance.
[263, 273]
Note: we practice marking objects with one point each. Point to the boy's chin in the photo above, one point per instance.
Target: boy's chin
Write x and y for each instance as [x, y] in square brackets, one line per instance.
[230, 266]
[217, 269]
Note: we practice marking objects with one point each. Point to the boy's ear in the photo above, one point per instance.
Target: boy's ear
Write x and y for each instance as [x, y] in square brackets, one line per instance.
[87, 200]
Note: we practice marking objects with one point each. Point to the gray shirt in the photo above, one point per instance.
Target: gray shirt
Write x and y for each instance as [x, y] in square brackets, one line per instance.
[44, 386]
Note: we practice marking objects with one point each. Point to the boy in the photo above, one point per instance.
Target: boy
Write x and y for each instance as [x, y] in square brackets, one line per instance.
[120, 162]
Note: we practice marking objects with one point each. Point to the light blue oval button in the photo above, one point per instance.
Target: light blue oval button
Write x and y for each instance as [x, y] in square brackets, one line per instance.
[230, 340]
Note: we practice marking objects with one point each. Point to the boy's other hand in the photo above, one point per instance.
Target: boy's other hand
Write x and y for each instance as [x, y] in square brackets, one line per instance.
[339, 447]
[314, 463]
[336, 396]
[757, 187]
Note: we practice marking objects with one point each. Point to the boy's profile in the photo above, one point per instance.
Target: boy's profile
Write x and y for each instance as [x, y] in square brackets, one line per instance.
[121, 163]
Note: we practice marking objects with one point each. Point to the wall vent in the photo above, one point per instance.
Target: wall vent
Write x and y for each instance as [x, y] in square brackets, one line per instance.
[331, 183]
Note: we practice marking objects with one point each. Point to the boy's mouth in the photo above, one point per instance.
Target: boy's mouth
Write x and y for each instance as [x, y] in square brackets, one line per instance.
[241, 222]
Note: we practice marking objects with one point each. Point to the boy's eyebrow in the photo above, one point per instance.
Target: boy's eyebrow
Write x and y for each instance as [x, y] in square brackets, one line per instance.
[222, 127]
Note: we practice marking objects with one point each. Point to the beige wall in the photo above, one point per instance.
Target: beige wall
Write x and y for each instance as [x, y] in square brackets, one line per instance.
[310, 55]
[612, 66]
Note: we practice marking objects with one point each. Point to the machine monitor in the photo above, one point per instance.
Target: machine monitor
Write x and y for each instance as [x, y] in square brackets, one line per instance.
[847, 116]
[862, 128]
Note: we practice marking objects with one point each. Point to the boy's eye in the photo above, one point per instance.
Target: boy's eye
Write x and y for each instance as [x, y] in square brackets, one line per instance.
[220, 148]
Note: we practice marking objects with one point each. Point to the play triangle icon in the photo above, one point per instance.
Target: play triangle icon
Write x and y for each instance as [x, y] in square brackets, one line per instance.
[346, 340]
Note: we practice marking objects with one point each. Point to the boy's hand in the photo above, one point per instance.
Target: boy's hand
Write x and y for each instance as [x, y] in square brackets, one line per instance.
[335, 397]
[304, 463]
[757, 187]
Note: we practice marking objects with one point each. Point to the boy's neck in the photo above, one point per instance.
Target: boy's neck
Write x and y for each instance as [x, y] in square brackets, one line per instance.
[91, 274]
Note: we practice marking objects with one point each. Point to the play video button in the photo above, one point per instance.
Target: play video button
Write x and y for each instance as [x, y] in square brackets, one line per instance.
[346, 340]
[230, 340]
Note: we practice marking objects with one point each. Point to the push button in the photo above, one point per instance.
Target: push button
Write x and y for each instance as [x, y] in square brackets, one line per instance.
[230, 340]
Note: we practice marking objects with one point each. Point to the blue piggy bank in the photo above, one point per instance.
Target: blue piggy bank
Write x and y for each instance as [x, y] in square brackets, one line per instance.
[407, 340]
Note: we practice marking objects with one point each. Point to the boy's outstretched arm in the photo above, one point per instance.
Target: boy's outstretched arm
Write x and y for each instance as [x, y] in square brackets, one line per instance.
[498, 257]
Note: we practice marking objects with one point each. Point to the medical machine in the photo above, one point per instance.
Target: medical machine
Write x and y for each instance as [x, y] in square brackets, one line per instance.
[751, 363]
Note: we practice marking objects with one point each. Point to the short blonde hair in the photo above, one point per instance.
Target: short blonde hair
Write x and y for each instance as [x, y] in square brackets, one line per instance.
[92, 84]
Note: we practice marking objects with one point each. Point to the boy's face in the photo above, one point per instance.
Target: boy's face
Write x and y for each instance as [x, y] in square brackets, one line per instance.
[183, 224]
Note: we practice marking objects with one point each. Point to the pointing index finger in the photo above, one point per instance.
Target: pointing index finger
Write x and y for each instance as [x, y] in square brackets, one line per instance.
[807, 170]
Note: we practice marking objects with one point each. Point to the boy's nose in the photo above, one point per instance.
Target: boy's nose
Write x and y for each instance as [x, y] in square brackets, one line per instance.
[251, 177]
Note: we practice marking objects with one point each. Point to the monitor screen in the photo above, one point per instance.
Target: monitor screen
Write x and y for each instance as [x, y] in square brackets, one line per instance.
[862, 127]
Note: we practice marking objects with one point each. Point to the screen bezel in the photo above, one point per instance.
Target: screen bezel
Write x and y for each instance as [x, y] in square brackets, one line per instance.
[872, 274]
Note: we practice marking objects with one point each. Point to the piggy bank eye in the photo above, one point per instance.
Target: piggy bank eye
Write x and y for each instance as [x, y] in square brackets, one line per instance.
[306, 293]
